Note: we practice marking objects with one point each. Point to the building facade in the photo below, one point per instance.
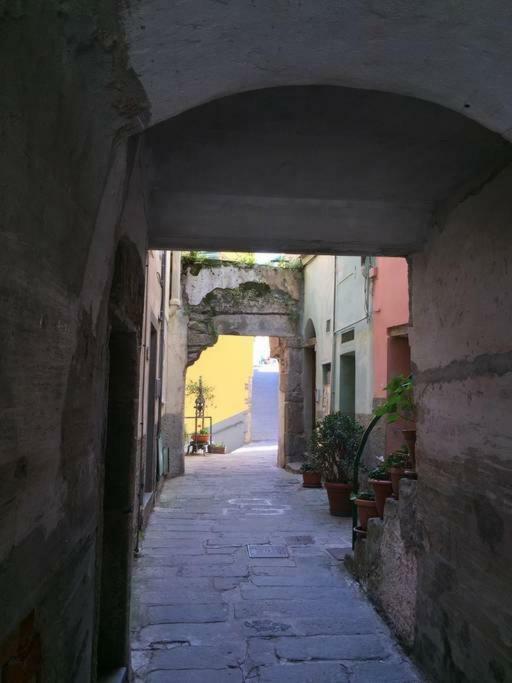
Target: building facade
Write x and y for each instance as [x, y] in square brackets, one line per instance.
[226, 368]
[355, 328]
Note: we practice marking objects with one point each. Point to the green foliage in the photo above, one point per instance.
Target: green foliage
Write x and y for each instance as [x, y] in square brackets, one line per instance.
[192, 389]
[204, 431]
[365, 495]
[334, 444]
[399, 403]
[380, 473]
[311, 464]
[259, 289]
[247, 259]
[283, 262]
[399, 458]
[196, 260]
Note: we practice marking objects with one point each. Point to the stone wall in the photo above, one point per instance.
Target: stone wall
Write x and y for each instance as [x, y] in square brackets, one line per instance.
[227, 298]
[386, 562]
[238, 299]
[68, 98]
[461, 350]
[292, 439]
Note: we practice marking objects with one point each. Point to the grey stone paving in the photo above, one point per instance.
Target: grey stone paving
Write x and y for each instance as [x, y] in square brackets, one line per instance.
[205, 612]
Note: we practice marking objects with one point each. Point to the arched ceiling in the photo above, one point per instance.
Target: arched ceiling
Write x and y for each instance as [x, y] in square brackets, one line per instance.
[311, 169]
[454, 53]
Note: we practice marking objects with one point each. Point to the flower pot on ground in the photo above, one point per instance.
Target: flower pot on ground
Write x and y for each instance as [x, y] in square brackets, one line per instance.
[312, 480]
[339, 498]
[311, 476]
[382, 487]
[201, 437]
[216, 448]
[366, 508]
[334, 444]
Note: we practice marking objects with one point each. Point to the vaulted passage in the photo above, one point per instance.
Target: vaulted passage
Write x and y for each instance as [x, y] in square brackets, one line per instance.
[368, 170]
[306, 126]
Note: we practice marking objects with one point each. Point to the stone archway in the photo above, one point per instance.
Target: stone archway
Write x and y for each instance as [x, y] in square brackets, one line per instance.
[225, 298]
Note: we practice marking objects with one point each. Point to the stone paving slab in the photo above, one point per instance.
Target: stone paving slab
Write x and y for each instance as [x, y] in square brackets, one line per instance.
[205, 612]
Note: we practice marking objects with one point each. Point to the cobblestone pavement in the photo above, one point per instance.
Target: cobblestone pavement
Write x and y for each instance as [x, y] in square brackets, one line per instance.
[205, 612]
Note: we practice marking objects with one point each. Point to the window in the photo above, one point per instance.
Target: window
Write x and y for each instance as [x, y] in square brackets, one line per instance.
[347, 336]
[348, 383]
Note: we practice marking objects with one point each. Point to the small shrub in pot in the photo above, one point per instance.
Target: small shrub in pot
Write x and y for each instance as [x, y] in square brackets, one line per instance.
[379, 480]
[334, 444]
[397, 462]
[311, 475]
[366, 508]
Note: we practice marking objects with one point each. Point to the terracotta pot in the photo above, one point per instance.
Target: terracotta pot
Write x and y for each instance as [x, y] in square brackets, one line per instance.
[339, 498]
[200, 438]
[395, 474]
[365, 510]
[359, 533]
[382, 490]
[312, 480]
[410, 439]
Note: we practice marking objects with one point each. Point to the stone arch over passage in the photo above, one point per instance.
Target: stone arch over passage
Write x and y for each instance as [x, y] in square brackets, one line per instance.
[223, 298]
[312, 169]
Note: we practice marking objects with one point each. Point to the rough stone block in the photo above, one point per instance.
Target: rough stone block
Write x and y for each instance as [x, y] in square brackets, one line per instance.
[331, 647]
[313, 672]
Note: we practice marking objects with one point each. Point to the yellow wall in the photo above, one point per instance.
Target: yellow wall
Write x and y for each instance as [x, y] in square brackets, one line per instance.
[227, 368]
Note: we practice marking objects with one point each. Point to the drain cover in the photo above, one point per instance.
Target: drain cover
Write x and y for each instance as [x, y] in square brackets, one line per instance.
[267, 551]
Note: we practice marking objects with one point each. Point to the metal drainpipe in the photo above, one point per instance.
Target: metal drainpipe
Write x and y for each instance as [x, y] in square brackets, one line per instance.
[141, 460]
[162, 337]
[333, 362]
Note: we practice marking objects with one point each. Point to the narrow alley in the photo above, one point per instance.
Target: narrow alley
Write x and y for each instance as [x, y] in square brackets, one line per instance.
[205, 611]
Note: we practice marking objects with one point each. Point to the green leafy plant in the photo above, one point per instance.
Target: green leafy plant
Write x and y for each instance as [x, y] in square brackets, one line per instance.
[400, 401]
[309, 467]
[248, 259]
[193, 388]
[365, 495]
[334, 444]
[204, 431]
[398, 458]
[379, 473]
[284, 262]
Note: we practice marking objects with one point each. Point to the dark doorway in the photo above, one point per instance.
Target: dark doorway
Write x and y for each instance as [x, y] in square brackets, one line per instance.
[309, 381]
[116, 538]
[150, 474]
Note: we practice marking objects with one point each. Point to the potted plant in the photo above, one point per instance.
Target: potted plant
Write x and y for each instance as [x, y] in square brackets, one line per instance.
[216, 448]
[400, 405]
[381, 484]
[201, 436]
[397, 462]
[311, 474]
[334, 443]
[366, 508]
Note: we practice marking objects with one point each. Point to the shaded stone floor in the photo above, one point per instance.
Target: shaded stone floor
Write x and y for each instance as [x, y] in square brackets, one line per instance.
[205, 612]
